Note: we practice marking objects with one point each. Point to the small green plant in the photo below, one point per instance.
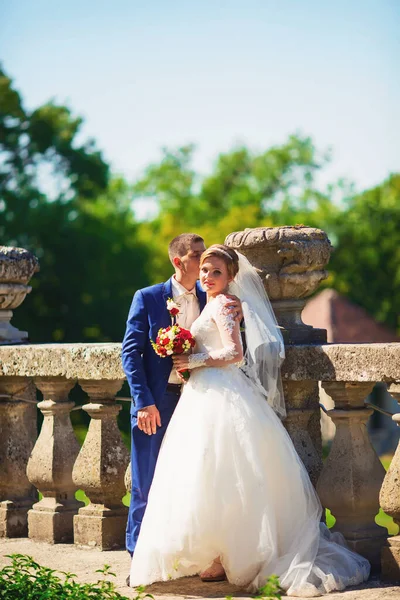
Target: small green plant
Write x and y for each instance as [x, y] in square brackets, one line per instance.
[141, 589]
[270, 590]
[25, 579]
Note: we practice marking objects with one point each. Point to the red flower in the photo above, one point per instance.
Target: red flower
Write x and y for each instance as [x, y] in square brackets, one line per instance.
[179, 341]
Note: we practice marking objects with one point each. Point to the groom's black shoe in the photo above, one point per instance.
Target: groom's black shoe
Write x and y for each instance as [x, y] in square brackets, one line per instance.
[128, 581]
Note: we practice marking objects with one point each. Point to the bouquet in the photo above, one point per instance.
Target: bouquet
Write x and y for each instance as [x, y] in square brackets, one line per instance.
[173, 339]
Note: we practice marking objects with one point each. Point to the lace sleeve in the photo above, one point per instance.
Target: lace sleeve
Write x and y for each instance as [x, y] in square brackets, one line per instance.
[229, 330]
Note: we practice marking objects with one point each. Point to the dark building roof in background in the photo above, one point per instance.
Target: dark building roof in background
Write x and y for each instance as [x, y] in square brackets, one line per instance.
[344, 321]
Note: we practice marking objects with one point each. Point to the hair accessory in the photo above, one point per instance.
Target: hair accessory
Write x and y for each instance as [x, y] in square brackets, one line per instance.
[222, 251]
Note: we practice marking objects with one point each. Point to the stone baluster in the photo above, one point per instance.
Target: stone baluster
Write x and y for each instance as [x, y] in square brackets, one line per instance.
[18, 432]
[302, 404]
[390, 502]
[99, 470]
[50, 465]
[352, 475]
[128, 479]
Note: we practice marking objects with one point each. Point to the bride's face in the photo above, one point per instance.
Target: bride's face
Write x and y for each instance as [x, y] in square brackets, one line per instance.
[214, 277]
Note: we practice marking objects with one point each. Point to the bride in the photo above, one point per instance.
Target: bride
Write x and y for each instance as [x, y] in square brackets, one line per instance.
[230, 496]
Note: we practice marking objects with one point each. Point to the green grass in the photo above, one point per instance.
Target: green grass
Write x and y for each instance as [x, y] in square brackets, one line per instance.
[25, 579]
[80, 495]
[381, 519]
[386, 460]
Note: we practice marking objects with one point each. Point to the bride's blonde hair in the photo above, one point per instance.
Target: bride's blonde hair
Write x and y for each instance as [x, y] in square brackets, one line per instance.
[227, 254]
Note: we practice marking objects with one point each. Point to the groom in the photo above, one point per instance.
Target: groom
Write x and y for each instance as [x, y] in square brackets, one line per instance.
[154, 384]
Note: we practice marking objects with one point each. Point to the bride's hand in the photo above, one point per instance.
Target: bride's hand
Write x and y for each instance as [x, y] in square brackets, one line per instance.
[181, 361]
[235, 307]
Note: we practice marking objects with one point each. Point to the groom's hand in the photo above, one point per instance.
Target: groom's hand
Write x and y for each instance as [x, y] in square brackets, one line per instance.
[148, 419]
[235, 307]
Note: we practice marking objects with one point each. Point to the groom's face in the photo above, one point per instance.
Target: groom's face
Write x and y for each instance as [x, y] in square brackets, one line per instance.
[191, 260]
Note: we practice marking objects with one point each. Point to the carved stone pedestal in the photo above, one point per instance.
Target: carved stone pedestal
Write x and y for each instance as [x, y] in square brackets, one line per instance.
[52, 519]
[390, 560]
[50, 466]
[128, 479]
[352, 475]
[101, 527]
[294, 331]
[301, 398]
[390, 502]
[17, 438]
[99, 471]
[17, 266]
[291, 262]
[14, 517]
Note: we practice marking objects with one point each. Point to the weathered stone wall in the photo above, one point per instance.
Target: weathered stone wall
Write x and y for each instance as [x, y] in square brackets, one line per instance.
[327, 362]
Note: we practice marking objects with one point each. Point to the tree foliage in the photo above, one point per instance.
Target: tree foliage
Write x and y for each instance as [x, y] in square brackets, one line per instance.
[58, 199]
[277, 187]
[245, 189]
[366, 263]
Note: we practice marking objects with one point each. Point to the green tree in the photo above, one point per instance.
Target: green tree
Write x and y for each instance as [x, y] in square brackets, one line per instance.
[241, 178]
[40, 146]
[277, 187]
[366, 263]
[57, 199]
[245, 189]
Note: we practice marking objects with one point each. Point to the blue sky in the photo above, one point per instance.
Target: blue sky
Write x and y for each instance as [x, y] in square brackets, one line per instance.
[164, 73]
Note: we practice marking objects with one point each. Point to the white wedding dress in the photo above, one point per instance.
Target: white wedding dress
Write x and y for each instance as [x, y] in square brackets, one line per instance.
[229, 483]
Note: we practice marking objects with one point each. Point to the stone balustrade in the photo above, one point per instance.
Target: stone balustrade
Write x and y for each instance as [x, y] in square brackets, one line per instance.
[348, 483]
[291, 262]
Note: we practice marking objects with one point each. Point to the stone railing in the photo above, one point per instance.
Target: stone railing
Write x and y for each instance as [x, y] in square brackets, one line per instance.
[348, 483]
[291, 263]
[53, 463]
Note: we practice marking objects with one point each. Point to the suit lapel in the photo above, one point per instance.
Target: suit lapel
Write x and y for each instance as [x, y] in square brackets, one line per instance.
[202, 297]
[166, 293]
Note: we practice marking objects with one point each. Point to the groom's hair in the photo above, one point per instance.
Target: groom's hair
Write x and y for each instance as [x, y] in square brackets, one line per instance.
[181, 244]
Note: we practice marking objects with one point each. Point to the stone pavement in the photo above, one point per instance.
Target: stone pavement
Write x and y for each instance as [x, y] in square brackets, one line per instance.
[84, 562]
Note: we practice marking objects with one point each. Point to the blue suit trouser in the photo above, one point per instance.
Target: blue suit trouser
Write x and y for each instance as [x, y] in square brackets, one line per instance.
[144, 454]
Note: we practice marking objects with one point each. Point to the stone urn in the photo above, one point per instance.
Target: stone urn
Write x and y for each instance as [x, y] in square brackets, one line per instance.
[291, 262]
[17, 266]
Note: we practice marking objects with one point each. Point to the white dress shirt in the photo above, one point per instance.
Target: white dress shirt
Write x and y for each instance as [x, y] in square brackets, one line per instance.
[189, 310]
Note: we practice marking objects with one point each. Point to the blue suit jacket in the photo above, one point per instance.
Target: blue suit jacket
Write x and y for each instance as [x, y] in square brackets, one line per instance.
[146, 372]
